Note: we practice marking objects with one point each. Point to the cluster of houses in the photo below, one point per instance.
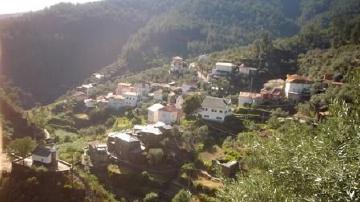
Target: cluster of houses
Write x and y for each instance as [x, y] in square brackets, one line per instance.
[224, 69]
[295, 88]
[126, 95]
[167, 114]
[129, 145]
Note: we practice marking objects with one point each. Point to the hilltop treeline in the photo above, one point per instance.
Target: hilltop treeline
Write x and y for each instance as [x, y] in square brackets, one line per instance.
[50, 51]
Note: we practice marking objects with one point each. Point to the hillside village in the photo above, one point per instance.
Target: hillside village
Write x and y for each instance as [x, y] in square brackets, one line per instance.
[200, 101]
[156, 139]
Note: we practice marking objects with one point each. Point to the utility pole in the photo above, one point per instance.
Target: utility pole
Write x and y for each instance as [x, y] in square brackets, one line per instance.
[72, 171]
[251, 83]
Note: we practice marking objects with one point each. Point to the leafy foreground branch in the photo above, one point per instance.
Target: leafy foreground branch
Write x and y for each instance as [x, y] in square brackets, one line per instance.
[301, 162]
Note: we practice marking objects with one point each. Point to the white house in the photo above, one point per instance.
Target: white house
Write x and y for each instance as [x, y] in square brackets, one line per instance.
[178, 65]
[169, 114]
[223, 68]
[215, 109]
[115, 101]
[296, 86]
[44, 155]
[90, 103]
[246, 70]
[153, 113]
[102, 102]
[130, 99]
[99, 76]
[249, 98]
[123, 88]
[87, 88]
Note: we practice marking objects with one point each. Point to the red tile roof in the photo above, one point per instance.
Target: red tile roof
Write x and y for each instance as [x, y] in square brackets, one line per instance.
[295, 78]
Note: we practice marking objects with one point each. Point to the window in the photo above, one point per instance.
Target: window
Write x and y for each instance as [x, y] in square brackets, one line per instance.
[206, 116]
[220, 111]
[219, 118]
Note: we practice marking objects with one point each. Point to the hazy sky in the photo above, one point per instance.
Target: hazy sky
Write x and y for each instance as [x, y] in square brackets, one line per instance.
[16, 6]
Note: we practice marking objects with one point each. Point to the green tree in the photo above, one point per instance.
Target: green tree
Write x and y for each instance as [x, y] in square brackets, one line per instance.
[191, 104]
[151, 197]
[263, 47]
[155, 155]
[182, 196]
[305, 162]
[22, 147]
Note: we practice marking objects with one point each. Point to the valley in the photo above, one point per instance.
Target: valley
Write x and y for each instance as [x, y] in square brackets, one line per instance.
[136, 100]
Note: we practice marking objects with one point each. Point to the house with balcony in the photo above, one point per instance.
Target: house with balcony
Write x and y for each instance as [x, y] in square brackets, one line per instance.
[297, 87]
[215, 109]
[222, 69]
[131, 99]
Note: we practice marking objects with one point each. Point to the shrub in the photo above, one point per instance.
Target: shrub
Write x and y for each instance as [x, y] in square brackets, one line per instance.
[56, 139]
[151, 197]
[274, 123]
[113, 169]
[67, 138]
[182, 196]
[155, 156]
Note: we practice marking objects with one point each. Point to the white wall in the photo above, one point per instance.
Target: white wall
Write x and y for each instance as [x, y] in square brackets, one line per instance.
[215, 114]
[243, 100]
[42, 159]
[115, 103]
[153, 116]
[167, 117]
[296, 88]
[90, 103]
[130, 100]
[225, 68]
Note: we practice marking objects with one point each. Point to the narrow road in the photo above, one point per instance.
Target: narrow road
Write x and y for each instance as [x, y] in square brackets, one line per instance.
[47, 134]
[202, 76]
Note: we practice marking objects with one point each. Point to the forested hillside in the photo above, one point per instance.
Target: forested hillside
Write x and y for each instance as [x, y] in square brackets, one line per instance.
[12, 117]
[51, 51]
[48, 52]
[201, 26]
[197, 27]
